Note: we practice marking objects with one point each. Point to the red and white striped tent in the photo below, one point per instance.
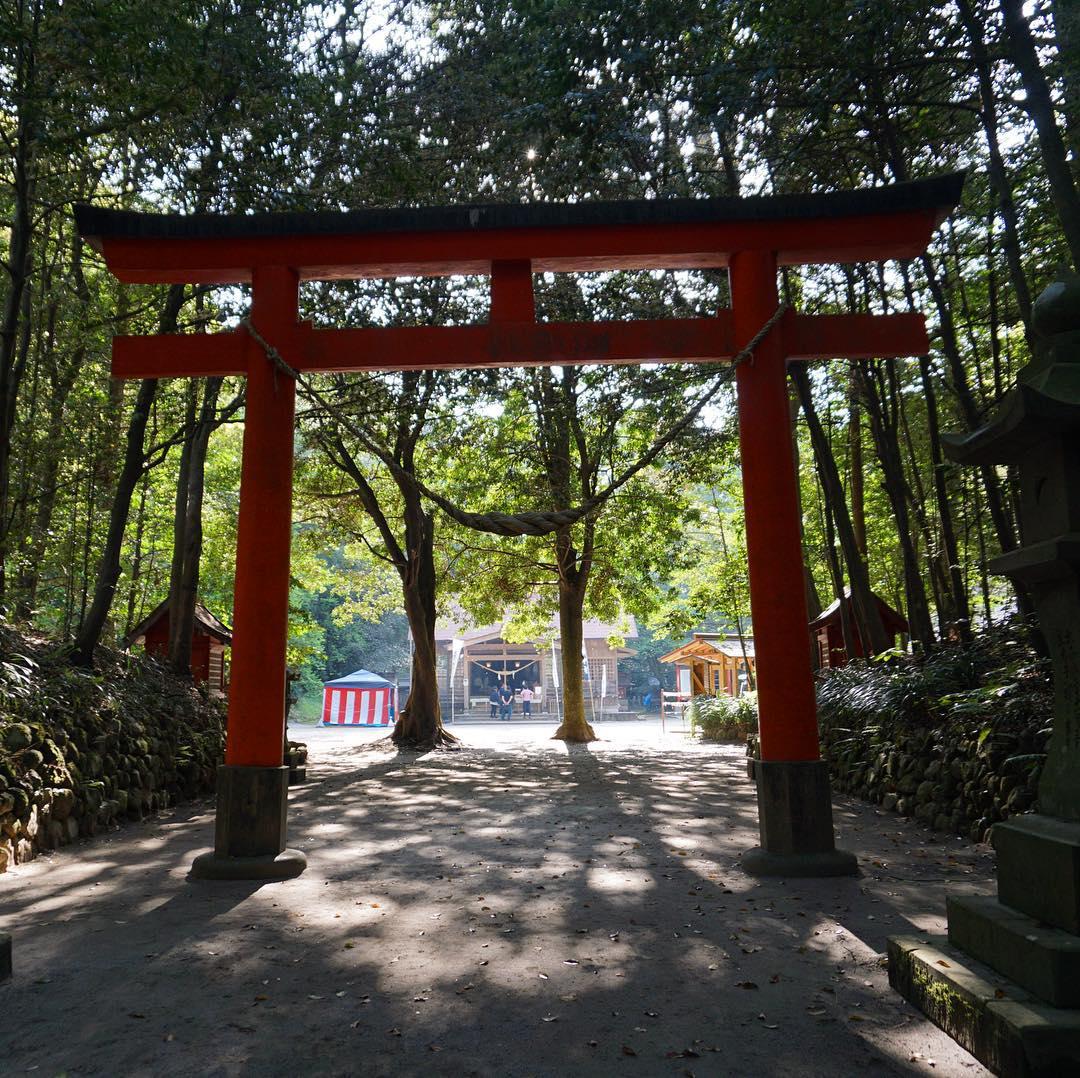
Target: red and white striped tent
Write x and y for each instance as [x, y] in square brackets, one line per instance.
[359, 699]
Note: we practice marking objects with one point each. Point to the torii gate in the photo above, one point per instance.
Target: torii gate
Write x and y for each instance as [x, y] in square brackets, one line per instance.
[509, 243]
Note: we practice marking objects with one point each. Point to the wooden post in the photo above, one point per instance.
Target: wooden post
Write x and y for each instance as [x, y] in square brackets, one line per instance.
[252, 790]
[794, 799]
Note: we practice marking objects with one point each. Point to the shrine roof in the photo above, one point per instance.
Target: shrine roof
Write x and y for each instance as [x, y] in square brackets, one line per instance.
[204, 620]
[939, 192]
[711, 648]
[558, 236]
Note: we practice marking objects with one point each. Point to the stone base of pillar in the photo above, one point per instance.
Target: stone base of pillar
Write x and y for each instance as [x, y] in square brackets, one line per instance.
[795, 821]
[249, 835]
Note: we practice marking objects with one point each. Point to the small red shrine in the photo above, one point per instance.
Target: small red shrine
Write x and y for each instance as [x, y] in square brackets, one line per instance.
[827, 630]
[209, 639]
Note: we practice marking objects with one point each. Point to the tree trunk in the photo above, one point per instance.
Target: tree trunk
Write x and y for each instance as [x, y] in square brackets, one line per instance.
[995, 164]
[836, 573]
[574, 728]
[134, 460]
[1040, 107]
[38, 539]
[419, 723]
[18, 266]
[1067, 35]
[867, 614]
[184, 586]
[884, 429]
[179, 654]
[855, 465]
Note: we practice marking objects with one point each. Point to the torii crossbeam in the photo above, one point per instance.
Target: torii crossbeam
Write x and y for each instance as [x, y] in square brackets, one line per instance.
[509, 243]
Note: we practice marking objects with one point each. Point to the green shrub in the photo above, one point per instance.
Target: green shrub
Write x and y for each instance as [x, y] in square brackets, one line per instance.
[724, 718]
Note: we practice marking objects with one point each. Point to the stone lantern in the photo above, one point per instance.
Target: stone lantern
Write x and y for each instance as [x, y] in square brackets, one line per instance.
[1022, 1015]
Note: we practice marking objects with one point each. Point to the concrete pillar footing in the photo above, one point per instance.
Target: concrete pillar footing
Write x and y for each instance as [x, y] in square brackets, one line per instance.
[249, 834]
[795, 821]
[286, 865]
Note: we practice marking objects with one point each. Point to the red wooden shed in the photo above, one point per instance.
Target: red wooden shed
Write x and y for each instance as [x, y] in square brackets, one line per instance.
[827, 630]
[209, 639]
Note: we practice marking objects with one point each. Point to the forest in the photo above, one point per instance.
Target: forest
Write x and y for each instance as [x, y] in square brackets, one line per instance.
[115, 495]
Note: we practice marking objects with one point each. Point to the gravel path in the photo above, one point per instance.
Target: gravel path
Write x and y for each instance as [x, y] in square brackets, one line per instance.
[511, 909]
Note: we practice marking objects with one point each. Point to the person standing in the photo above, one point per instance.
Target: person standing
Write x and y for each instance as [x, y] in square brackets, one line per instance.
[506, 701]
[493, 700]
[526, 701]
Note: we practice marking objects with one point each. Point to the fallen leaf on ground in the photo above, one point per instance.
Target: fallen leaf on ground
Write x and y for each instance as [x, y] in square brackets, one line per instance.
[628, 1051]
[745, 984]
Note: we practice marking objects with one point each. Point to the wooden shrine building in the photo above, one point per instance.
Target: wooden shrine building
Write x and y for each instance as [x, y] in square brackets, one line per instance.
[209, 639]
[713, 664]
[487, 661]
[827, 630]
[749, 238]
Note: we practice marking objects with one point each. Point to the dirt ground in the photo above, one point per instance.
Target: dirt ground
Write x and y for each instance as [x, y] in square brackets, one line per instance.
[511, 909]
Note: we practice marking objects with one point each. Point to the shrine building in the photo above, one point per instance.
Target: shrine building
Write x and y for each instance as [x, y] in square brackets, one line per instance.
[487, 661]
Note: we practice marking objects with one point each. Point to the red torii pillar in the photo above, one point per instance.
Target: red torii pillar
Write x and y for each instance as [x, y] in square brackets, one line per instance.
[511, 243]
[794, 797]
[253, 786]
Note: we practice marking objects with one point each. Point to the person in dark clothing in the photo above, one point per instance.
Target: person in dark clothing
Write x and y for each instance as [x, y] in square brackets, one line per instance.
[493, 700]
[506, 700]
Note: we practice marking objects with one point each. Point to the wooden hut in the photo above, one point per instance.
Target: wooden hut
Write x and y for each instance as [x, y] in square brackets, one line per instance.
[827, 630]
[712, 664]
[209, 639]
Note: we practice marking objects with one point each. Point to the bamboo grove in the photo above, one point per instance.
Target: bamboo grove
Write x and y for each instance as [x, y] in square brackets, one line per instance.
[114, 495]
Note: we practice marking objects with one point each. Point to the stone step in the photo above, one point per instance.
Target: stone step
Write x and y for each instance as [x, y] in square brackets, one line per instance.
[994, 1019]
[1040, 958]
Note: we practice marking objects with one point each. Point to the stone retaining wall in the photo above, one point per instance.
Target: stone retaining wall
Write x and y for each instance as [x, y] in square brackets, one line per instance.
[946, 779]
[82, 751]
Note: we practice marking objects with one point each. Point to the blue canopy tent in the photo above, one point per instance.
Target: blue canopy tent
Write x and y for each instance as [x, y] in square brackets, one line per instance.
[359, 699]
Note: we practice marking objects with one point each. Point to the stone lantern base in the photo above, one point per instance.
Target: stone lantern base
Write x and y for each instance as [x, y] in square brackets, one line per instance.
[1006, 982]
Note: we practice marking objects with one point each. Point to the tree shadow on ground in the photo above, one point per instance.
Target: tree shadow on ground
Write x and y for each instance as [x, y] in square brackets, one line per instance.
[547, 910]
